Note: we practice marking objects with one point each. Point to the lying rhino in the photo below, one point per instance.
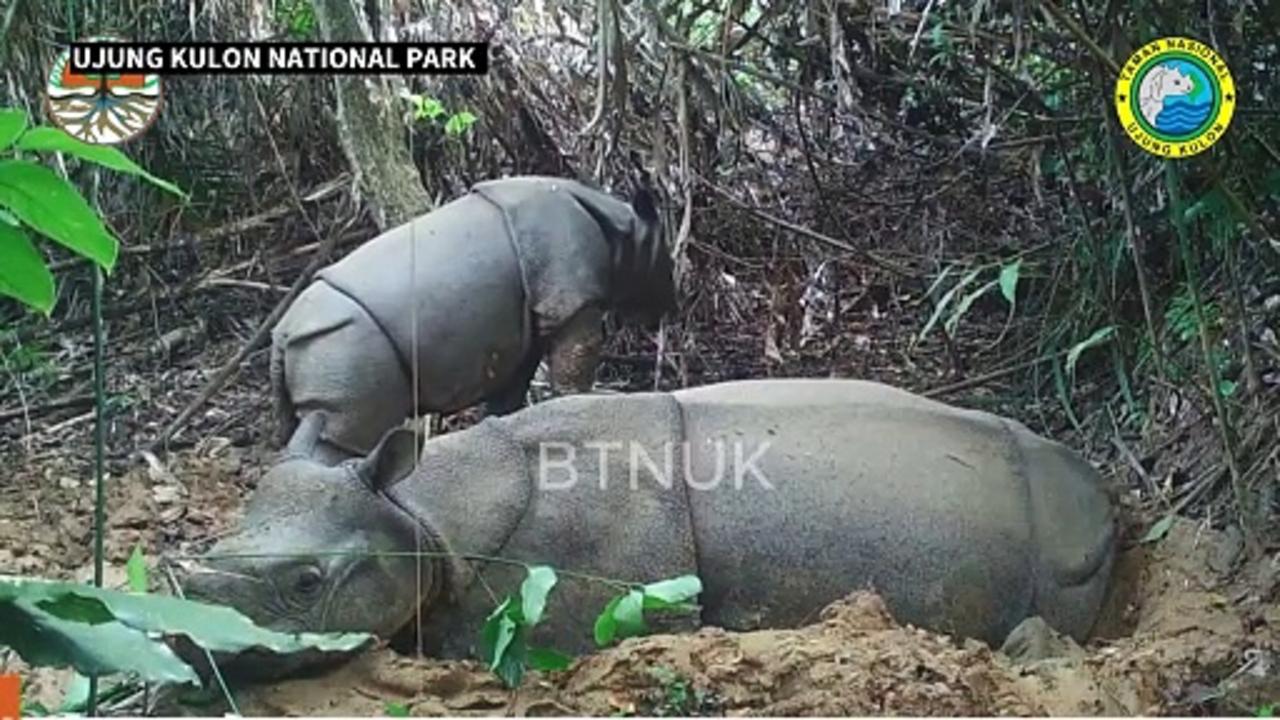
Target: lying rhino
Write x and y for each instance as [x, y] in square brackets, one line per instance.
[781, 495]
[472, 296]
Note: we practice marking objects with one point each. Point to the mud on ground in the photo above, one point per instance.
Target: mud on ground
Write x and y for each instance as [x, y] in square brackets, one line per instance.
[1179, 637]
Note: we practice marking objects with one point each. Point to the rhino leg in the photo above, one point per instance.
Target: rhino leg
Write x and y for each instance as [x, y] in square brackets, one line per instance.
[575, 352]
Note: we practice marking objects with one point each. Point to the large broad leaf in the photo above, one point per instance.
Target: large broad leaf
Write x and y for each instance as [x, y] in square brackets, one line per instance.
[102, 631]
[23, 274]
[46, 202]
[50, 139]
[12, 123]
[107, 648]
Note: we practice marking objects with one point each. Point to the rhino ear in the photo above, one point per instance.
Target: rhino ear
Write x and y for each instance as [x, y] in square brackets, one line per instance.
[644, 205]
[305, 436]
[393, 460]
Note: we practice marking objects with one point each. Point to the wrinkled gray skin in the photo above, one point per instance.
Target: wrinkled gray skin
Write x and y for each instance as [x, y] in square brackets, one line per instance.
[474, 295]
[964, 522]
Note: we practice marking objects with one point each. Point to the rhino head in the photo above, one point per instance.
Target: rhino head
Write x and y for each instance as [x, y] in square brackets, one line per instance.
[643, 266]
[320, 548]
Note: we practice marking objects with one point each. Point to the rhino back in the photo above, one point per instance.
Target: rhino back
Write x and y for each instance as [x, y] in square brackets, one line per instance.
[457, 268]
[869, 487]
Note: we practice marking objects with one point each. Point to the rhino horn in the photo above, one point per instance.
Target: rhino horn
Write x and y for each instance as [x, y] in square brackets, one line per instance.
[306, 435]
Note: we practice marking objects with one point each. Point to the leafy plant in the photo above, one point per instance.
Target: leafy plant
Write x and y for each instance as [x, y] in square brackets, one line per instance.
[459, 123]
[1266, 711]
[623, 616]
[504, 637]
[395, 709]
[427, 108]
[34, 199]
[1006, 279]
[297, 17]
[102, 632]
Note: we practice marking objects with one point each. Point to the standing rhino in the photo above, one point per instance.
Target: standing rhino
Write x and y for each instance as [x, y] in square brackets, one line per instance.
[461, 305]
[781, 495]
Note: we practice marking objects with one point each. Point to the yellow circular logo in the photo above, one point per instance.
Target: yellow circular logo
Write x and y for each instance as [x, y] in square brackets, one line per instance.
[100, 108]
[1175, 97]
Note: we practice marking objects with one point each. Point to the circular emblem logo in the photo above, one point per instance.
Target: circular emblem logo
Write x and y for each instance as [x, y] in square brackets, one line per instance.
[1175, 97]
[100, 108]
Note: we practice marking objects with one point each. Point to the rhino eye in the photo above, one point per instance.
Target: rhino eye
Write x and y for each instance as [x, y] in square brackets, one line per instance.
[308, 581]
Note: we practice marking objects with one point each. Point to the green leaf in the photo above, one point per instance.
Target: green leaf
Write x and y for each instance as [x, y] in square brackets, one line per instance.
[1266, 711]
[136, 570]
[548, 660]
[491, 633]
[55, 208]
[1227, 388]
[674, 591]
[43, 640]
[12, 123]
[511, 669]
[606, 627]
[506, 636]
[99, 631]
[533, 593]
[1158, 530]
[1009, 281]
[1097, 338]
[395, 709]
[629, 614]
[23, 274]
[51, 139]
[459, 123]
[429, 108]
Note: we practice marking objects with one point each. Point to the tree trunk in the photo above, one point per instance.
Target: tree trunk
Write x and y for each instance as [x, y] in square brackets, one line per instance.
[369, 125]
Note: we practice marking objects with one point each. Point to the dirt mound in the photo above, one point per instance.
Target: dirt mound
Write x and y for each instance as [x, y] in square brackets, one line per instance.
[1174, 641]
